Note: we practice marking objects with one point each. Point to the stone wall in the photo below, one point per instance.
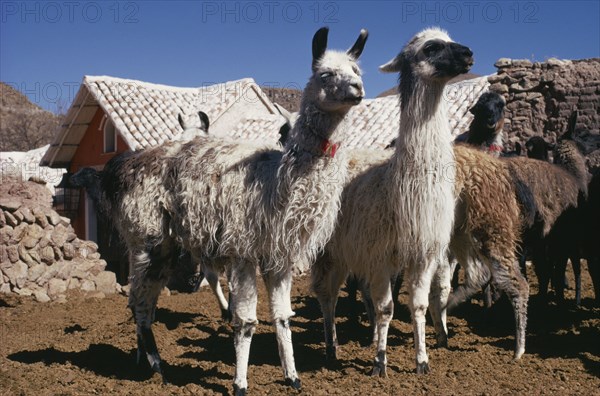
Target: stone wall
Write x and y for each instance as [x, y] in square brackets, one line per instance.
[542, 95]
[41, 256]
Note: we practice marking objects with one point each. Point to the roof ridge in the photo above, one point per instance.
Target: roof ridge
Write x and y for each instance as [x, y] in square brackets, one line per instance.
[87, 79]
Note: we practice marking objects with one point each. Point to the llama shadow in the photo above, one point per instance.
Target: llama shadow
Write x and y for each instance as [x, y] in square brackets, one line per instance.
[101, 359]
[111, 362]
[172, 319]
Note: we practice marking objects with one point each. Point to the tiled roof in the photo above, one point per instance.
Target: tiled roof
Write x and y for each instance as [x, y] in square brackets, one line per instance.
[145, 114]
[375, 122]
[265, 128]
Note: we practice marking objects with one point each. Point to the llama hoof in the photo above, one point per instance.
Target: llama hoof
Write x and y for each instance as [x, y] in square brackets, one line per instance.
[225, 315]
[423, 368]
[379, 370]
[518, 355]
[237, 391]
[331, 354]
[442, 342]
[294, 383]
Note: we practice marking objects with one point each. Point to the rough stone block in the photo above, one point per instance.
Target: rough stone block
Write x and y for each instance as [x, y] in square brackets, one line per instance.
[35, 272]
[17, 273]
[106, 282]
[40, 217]
[59, 235]
[10, 204]
[10, 219]
[41, 296]
[53, 217]
[56, 287]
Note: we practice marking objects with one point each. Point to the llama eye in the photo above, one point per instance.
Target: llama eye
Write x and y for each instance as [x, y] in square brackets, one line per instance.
[432, 48]
[325, 76]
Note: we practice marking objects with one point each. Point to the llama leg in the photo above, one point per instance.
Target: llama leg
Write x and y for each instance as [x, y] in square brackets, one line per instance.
[419, 285]
[593, 263]
[365, 291]
[523, 261]
[381, 294]
[396, 281]
[352, 289]
[279, 287]
[212, 277]
[576, 264]
[438, 301]
[509, 279]
[243, 295]
[542, 272]
[559, 276]
[151, 271]
[326, 282]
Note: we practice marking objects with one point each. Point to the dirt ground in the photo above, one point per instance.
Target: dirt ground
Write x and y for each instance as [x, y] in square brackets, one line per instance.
[87, 346]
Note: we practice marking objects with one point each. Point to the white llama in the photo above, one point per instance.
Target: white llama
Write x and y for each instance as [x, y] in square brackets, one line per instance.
[255, 207]
[398, 213]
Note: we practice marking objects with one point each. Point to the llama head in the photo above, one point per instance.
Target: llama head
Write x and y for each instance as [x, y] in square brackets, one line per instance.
[431, 55]
[537, 148]
[489, 111]
[85, 178]
[193, 127]
[336, 83]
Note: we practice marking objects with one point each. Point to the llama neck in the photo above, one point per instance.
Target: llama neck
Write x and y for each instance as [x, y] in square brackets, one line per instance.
[421, 172]
[314, 132]
[424, 129]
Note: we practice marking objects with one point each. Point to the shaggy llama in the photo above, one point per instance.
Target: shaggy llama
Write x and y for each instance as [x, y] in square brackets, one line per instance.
[399, 212]
[485, 131]
[256, 207]
[187, 278]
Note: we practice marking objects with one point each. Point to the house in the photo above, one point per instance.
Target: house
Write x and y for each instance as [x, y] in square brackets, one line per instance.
[112, 115]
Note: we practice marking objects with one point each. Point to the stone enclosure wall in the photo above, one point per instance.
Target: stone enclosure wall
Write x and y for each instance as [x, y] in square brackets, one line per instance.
[40, 255]
[541, 96]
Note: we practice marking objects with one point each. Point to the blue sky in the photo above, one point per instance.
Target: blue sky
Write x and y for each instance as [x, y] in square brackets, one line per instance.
[46, 47]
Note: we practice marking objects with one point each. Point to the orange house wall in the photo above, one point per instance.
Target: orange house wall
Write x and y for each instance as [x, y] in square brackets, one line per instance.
[91, 153]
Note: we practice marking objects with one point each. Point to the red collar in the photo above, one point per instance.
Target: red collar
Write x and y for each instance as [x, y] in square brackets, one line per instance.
[329, 148]
[495, 148]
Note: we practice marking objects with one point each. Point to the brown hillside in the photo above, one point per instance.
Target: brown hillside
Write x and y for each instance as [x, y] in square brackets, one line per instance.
[23, 125]
[286, 97]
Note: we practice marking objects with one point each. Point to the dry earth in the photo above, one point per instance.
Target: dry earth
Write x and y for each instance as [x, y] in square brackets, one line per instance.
[87, 346]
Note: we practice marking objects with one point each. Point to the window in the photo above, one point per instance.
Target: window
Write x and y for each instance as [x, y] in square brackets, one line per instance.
[110, 137]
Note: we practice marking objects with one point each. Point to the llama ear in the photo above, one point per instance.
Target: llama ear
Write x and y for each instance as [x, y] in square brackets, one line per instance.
[393, 66]
[319, 45]
[180, 119]
[204, 121]
[571, 126]
[359, 45]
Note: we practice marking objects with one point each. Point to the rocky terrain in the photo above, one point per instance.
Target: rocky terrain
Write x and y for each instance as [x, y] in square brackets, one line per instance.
[40, 255]
[86, 346]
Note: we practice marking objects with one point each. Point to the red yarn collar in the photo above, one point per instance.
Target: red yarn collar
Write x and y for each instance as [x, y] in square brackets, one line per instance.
[495, 148]
[329, 148]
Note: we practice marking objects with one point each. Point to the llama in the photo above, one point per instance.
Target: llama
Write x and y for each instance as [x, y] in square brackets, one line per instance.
[190, 277]
[592, 233]
[485, 131]
[537, 148]
[563, 241]
[399, 211]
[256, 207]
[191, 129]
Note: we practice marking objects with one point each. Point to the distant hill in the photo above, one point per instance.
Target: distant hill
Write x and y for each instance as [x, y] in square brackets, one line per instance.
[286, 97]
[24, 126]
[461, 77]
